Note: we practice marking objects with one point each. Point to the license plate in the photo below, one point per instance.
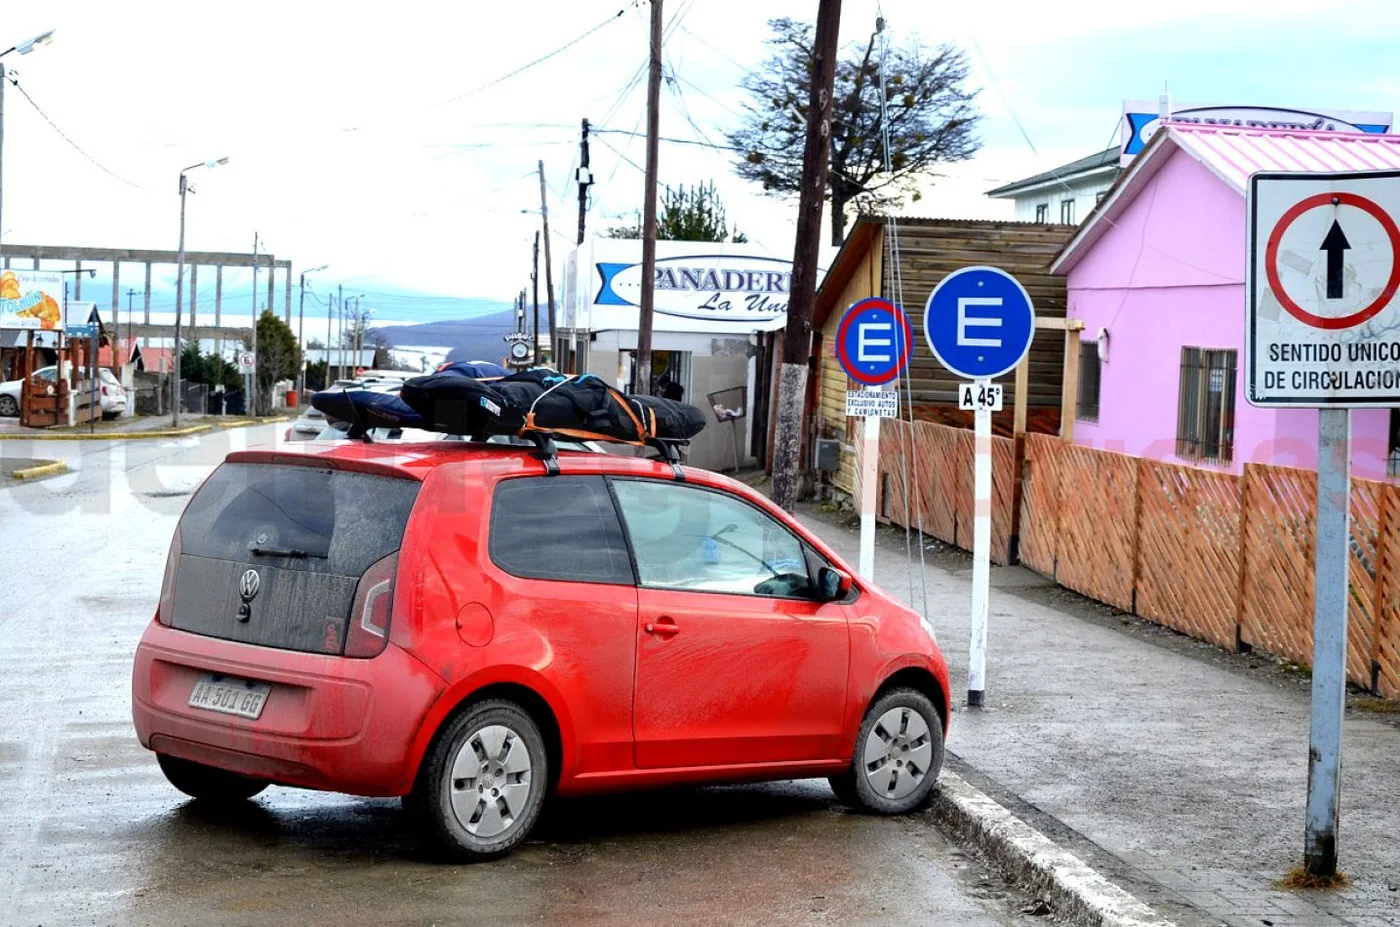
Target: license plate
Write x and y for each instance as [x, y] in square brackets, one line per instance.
[230, 695]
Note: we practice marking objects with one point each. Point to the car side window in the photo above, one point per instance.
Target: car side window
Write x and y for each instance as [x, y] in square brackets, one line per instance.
[558, 527]
[685, 537]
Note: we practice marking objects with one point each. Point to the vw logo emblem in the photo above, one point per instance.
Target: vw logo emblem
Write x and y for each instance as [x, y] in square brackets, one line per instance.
[248, 585]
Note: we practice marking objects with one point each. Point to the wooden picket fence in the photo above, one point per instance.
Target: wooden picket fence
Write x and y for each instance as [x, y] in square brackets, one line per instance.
[936, 494]
[1223, 558]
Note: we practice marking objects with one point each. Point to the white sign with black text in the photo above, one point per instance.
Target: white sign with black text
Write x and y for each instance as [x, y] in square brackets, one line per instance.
[979, 395]
[1322, 325]
[872, 403]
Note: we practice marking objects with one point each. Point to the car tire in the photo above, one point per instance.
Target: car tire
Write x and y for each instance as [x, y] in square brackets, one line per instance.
[206, 783]
[898, 755]
[483, 783]
[8, 407]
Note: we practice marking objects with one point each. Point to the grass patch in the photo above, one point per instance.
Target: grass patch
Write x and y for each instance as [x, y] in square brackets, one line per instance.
[1288, 666]
[1375, 706]
[1299, 878]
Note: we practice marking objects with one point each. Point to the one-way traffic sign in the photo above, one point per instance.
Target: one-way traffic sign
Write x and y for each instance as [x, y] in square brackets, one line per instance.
[1323, 325]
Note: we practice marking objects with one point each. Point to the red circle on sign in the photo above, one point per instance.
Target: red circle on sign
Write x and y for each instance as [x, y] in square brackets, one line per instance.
[1333, 199]
[902, 357]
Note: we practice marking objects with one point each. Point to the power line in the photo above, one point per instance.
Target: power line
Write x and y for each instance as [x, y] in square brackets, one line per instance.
[540, 60]
[76, 147]
[675, 141]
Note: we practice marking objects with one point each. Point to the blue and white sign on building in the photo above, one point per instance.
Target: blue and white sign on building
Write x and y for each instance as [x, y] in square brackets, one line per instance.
[979, 322]
[874, 341]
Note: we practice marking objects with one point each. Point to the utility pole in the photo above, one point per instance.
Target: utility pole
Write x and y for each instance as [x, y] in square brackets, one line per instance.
[535, 282]
[129, 294]
[549, 276]
[340, 342]
[330, 330]
[252, 404]
[301, 338]
[797, 337]
[585, 180]
[3, 79]
[642, 373]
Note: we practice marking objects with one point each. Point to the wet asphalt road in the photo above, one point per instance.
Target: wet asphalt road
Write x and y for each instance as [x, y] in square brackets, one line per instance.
[92, 834]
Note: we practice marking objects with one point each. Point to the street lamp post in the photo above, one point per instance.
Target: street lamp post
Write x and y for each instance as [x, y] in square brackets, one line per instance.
[301, 329]
[180, 290]
[23, 48]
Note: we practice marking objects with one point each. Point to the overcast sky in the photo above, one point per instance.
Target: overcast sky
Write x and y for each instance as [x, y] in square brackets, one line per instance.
[360, 135]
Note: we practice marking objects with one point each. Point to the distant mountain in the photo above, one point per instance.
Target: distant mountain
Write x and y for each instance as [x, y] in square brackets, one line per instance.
[480, 338]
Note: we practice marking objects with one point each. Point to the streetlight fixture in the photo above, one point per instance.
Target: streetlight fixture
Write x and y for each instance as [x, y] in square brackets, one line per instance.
[301, 330]
[23, 48]
[180, 289]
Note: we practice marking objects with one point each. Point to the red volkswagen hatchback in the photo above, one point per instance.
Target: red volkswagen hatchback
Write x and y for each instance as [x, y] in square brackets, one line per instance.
[462, 625]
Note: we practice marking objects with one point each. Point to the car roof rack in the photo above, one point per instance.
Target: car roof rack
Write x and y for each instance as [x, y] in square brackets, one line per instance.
[668, 450]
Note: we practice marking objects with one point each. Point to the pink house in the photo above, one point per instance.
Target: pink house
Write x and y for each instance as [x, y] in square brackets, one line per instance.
[1157, 274]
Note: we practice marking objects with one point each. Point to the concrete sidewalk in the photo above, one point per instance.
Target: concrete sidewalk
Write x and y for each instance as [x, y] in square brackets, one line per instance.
[1177, 770]
[133, 427]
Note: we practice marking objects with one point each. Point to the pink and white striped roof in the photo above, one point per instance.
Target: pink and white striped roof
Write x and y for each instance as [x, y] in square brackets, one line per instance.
[1232, 154]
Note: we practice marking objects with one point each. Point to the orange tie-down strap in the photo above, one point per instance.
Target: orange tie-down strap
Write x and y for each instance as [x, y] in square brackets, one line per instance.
[643, 433]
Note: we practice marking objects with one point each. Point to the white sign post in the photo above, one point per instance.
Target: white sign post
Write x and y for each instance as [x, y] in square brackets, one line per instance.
[1323, 332]
[873, 344]
[979, 322]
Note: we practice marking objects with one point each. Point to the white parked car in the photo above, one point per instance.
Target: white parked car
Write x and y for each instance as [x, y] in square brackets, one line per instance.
[112, 396]
[308, 425]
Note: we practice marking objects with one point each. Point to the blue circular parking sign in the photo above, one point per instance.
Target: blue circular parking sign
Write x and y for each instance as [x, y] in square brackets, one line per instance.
[874, 341]
[979, 322]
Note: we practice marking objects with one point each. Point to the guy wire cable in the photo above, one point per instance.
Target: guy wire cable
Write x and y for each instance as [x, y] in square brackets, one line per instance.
[892, 226]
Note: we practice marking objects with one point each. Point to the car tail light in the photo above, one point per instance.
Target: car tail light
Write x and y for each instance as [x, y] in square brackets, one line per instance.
[165, 611]
[374, 604]
[104, 390]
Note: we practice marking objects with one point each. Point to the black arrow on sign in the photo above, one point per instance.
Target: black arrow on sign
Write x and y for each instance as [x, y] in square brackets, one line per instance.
[1334, 244]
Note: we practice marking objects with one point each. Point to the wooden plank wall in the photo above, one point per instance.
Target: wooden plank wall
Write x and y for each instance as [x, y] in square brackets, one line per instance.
[930, 249]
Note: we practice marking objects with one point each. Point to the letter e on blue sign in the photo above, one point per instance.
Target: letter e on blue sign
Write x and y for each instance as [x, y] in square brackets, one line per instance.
[979, 322]
[874, 341]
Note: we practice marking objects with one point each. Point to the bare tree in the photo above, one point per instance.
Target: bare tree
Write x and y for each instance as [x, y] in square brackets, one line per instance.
[932, 118]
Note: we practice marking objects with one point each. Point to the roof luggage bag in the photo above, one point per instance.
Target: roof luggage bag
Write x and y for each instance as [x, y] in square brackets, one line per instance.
[366, 409]
[477, 370]
[454, 403]
[668, 419]
[588, 408]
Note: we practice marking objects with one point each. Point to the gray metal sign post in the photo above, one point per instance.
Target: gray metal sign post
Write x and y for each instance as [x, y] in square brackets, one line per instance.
[1329, 678]
[1324, 268]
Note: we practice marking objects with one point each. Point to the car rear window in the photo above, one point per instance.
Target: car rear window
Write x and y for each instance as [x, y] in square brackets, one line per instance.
[558, 527]
[343, 521]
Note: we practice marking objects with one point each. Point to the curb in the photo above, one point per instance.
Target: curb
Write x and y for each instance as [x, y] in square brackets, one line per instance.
[39, 471]
[138, 435]
[1075, 891]
[110, 435]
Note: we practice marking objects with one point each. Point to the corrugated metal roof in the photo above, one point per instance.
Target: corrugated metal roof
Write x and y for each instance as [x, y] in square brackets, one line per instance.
[1233, 154]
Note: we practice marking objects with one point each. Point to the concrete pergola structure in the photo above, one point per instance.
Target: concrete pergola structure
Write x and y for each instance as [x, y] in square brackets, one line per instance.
[79, 257]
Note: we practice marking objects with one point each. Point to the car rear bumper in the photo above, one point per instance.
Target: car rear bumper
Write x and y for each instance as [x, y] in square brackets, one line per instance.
[332, 723]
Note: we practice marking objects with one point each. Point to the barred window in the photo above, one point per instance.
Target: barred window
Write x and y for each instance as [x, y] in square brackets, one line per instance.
[1205, 418]
[1087, 409]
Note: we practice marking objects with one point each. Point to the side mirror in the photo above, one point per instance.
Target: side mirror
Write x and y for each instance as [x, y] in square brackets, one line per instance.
[833, 584]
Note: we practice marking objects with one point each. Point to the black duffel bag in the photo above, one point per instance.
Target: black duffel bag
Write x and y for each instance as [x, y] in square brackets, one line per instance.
[668, 418]
[587, 407]
[455, 404]
[366, 408]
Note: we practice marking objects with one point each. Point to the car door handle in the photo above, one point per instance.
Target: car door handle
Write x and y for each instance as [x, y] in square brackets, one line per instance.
[664, 628]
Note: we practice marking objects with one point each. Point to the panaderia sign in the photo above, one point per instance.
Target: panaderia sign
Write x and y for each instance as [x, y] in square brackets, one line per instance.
[698, 286]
